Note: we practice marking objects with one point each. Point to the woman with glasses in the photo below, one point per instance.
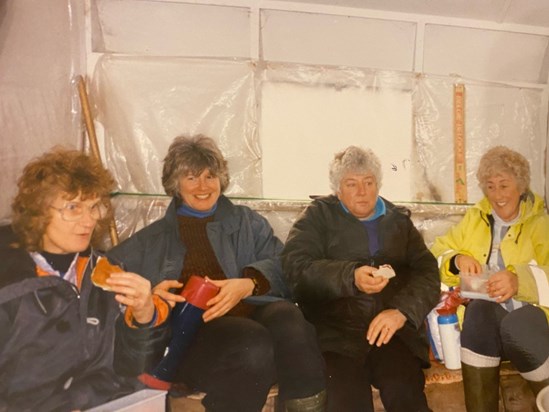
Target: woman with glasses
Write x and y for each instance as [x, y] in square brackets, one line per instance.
[63, 341]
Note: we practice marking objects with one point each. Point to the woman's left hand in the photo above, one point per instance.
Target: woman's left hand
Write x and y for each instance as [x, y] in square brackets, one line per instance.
[231, 292]
[502, 285]
[384, 326]
[134, 291]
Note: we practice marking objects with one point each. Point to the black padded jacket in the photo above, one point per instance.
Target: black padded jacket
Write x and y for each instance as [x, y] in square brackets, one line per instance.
[324, 247]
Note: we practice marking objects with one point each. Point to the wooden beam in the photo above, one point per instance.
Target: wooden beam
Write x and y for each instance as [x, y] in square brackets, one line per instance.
[460, 170]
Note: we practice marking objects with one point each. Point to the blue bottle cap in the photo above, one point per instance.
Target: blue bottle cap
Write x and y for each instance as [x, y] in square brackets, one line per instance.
[447, 319]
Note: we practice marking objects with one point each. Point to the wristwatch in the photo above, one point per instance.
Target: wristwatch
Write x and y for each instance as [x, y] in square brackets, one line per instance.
[255, 291]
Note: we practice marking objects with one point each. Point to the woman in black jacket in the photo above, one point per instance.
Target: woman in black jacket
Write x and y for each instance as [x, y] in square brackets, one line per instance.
[363, 276]
[64, 343]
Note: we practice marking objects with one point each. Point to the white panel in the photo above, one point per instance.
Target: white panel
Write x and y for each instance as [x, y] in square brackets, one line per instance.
[337, 40]
[532, 12]
[303, 127]
[472, 9]
[172, 29]
[484, 54]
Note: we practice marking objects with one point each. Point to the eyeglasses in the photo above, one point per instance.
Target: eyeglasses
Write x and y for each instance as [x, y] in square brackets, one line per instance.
[74, 211]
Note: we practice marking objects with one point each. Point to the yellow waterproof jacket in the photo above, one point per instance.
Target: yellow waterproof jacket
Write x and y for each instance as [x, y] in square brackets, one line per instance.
[526, 242]
[533, 285]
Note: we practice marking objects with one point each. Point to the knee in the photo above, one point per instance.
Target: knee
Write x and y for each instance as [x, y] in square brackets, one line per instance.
[256, 352]
[276, 311]
[524, 328]
[509, 327]
[480, 316]
[286, 316]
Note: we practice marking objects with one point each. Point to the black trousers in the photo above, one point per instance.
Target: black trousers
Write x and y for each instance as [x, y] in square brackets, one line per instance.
[391, 368]
[235, 360]
[520, 336]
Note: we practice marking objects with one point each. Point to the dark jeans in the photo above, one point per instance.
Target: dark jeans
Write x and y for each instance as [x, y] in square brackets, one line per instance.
[521, 336]
[390, 368]
[235, 360]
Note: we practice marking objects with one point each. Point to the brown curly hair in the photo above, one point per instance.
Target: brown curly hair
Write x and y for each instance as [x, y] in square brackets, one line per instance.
[58, 171]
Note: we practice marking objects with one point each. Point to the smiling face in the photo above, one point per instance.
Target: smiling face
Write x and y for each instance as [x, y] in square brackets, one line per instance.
[200, 192]
[358, 192]
[503, 193]
[62, 236]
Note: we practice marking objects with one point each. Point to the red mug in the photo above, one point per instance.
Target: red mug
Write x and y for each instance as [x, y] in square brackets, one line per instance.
[198, 291]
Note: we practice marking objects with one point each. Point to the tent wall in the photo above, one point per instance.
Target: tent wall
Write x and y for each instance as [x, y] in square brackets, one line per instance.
[41, 47]
[226, 68]
[276, 81]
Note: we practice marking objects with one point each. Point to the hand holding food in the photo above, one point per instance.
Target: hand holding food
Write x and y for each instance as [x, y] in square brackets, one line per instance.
[385, 271]
[366, 282]
[102, 271]
[131, 289]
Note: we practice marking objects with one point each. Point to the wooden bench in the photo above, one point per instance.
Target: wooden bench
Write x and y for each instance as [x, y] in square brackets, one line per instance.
[444, 388]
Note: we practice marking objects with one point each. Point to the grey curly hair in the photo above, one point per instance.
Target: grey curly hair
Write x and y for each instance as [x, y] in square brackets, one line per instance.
[500, 159]
[192, 155]
[354, 159]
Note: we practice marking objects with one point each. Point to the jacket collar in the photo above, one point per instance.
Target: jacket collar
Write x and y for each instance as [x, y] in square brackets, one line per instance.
[16, 261]
[225, 209]
[530, 205]
[390, 207]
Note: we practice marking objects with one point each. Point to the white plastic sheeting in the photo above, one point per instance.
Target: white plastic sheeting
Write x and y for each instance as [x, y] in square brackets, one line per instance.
[142, 103]
[495, 114]
[38, 101]
[133, 212]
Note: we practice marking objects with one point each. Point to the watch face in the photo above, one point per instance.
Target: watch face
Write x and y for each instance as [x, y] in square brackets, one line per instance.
[256, 286]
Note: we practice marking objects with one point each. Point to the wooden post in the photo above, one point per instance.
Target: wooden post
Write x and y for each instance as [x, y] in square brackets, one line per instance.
[90, 128]
[460, 170]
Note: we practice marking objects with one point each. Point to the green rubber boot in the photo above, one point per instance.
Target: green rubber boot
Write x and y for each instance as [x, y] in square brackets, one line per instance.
[481, 388]
[315, 403]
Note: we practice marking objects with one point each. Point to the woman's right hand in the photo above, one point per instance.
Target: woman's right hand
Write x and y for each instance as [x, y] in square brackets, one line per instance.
[468, 264]
[366, 282]
[162, 290]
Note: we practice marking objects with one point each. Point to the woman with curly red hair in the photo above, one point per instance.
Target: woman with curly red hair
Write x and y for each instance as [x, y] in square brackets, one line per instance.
[65, 342]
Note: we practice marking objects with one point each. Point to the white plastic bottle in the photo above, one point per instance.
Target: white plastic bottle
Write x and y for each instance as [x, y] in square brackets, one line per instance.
[450, 338]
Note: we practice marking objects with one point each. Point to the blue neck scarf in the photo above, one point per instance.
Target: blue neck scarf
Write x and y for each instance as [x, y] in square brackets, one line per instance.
[188, 211]
[379, 210]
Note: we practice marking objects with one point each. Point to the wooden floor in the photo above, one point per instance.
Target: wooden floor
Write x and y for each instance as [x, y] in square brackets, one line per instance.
[444, 390]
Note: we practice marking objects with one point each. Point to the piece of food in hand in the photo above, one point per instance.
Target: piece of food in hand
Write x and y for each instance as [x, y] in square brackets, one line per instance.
[386, 271]
[102, 271]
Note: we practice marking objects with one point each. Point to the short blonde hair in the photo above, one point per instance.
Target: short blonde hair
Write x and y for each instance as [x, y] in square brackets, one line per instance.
[193, 155]
[501, 159]
[60, 170]
[354, 159]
